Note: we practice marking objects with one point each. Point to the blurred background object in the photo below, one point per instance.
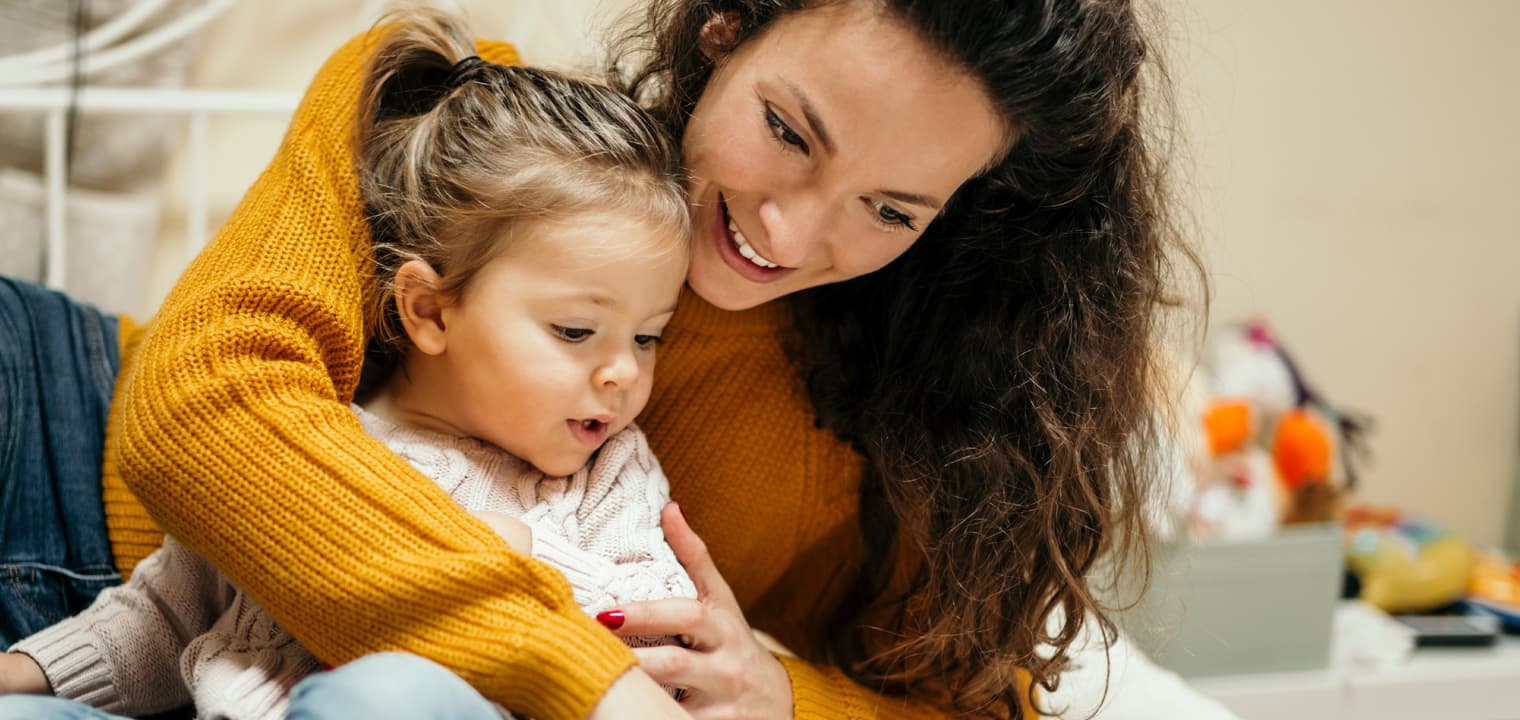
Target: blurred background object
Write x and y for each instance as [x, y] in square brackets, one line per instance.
[1358, 192]
[113, 165]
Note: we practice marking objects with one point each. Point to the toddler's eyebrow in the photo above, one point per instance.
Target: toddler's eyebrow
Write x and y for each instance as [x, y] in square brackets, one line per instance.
[604, 300]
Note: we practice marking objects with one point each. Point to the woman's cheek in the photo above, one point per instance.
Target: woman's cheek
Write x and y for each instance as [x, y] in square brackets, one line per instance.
[865, 255]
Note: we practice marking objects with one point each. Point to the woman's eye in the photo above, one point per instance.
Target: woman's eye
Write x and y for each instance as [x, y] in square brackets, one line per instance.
[571, 334]
[784, 132]
[888, 215]
[648, 342]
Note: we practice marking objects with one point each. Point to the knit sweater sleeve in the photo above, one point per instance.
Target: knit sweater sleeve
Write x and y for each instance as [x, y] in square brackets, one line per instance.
[826, 693]
[602, 529]
[122, 653]
[238, 438]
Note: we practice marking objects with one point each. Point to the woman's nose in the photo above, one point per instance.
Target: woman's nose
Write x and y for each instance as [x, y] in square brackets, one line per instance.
[795, 227]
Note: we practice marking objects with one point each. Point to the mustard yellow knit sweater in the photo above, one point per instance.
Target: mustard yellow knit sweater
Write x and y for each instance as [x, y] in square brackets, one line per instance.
[231, 425]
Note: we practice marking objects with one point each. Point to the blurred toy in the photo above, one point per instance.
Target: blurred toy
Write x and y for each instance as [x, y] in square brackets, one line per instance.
[1245, 505]
[1404, 565]
[1495, 588]
[1278, 453]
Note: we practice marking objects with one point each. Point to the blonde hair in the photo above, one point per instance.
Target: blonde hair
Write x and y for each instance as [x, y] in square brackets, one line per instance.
[454, 154]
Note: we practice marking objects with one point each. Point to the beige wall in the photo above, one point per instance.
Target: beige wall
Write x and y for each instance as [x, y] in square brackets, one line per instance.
[1355, 164]
[1356, 172]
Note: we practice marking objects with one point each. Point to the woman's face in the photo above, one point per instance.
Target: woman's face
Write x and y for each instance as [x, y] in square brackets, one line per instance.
[822, 148]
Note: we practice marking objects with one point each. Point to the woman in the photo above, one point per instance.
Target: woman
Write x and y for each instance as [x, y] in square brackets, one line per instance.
[905, 401]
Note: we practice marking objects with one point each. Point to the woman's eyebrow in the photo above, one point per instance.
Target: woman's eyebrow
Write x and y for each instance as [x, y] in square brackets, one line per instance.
[913, 198]
[815, 123]
[810, 114]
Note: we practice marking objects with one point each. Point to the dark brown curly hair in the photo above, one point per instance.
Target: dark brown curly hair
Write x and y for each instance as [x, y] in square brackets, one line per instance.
[1001, 376]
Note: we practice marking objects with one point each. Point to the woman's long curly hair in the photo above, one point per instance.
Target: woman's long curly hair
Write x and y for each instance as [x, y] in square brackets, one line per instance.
[1000, 377]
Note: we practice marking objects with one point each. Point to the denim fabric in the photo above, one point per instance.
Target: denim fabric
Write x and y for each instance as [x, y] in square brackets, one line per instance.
[58, 363]
[41, 707]
[385, 686]
[389, 685]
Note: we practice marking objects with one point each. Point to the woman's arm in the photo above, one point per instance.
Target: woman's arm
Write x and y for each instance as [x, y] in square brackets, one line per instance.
[238, 438]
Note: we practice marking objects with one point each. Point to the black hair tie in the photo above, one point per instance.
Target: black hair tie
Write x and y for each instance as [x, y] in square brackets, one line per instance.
[419, 87]
[464, 71]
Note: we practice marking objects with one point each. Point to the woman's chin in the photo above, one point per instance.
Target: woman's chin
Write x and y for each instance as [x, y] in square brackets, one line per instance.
[722, 288]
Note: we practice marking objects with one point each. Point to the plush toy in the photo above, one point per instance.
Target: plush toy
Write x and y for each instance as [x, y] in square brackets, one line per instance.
[1242, 501]
[1278, 452]
[1495, 587]
[1404, 565]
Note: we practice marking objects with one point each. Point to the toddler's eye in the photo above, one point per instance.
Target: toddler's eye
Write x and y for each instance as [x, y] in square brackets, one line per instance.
[648, 342]
[570, 334]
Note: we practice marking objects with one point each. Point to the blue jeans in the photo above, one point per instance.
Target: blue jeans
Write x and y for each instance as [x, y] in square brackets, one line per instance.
[39, 707]
[58, 363]
[378, 687]
[389, 685]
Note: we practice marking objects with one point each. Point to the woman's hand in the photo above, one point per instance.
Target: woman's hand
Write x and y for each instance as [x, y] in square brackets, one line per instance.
[724, 671]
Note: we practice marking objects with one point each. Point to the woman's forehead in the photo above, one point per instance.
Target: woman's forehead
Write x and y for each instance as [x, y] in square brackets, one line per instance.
[884, 95]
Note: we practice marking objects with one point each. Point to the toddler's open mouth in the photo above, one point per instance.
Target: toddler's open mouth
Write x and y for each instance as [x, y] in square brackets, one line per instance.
[591, 432]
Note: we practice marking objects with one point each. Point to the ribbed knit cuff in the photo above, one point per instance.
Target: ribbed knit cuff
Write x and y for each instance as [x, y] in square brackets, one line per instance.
[819, 694]
[581, 672]
[73, 665]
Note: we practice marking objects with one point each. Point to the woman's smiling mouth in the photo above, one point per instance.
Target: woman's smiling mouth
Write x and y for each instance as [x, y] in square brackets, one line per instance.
[738, 254]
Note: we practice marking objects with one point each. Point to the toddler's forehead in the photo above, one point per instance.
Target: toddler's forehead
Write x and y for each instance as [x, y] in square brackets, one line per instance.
[600, 235]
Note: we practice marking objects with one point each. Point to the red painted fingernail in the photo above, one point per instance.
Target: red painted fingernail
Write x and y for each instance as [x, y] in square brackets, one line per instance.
[611, 619]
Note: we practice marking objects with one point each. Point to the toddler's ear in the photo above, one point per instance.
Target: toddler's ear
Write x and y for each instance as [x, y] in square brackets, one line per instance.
[420, 304]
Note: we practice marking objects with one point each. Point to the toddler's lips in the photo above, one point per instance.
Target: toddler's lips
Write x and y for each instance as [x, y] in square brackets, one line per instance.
[591, 432]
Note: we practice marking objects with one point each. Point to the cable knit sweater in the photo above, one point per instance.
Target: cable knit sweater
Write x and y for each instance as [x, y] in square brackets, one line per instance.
[179, 631]
[230, 423]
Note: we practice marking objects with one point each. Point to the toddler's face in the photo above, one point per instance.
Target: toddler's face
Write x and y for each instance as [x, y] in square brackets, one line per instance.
[551, 349]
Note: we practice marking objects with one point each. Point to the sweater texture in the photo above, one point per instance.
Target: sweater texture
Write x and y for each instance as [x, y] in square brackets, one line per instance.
[230, 425]
[179, 631]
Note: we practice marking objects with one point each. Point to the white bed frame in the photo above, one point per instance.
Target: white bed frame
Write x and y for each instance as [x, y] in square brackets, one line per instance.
[28, 85]
[195, 106]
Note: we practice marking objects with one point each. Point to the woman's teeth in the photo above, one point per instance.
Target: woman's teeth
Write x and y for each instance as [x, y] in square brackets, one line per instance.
[747, 251]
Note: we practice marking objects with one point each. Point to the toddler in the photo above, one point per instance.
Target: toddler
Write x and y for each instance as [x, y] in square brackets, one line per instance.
[529, 241]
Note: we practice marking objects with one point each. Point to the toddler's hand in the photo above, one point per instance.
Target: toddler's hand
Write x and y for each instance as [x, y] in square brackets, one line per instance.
[514, 531]
[21, 675]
